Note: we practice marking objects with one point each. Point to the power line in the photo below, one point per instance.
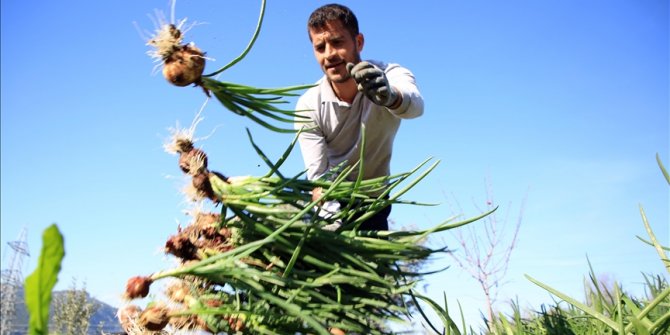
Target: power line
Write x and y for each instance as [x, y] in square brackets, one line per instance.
[12, 281]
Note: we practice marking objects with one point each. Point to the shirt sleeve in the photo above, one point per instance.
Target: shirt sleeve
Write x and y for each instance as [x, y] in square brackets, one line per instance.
[412, 101]
[311, 139]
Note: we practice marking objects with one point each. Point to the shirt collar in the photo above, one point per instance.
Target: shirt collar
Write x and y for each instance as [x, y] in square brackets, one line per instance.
[328, 95]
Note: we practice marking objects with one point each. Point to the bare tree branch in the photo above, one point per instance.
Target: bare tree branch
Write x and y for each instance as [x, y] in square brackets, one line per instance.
[485, 248]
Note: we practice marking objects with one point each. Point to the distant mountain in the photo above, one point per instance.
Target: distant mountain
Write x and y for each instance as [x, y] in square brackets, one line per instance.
[103, 319]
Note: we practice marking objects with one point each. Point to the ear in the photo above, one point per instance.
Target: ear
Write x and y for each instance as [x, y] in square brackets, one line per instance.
[360, 41]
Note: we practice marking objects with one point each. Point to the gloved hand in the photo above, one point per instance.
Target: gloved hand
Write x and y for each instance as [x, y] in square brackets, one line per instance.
[372, 82]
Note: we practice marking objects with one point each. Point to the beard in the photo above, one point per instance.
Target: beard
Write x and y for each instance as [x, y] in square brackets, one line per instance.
[339, 79]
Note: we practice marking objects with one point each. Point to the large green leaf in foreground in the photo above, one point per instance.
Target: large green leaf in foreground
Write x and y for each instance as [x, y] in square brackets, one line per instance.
[39, 284]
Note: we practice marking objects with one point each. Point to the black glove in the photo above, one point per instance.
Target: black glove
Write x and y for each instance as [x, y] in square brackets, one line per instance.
[372, 82]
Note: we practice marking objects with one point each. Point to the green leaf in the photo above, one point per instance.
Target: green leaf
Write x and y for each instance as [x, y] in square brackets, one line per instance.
[294, 310]
[586, 309]
[442, 313]
[506, 325]
[39, 284]
[659, 249]
[661, 324]
[637, 320]
[256, 103]
[246, 50]
[658, 302]
[663, 170]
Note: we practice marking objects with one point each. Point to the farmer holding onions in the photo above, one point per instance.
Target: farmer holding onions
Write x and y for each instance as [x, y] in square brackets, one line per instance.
[352, 93]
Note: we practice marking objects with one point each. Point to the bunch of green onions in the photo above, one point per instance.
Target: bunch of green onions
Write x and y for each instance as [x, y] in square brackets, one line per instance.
[252, 102]
[284, 274]
[184, 64]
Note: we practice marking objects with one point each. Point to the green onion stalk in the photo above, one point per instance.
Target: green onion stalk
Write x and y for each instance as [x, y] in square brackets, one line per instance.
[184, 64]
[274, 266]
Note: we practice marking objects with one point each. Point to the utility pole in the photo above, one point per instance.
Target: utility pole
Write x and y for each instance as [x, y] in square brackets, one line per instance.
[12, 281]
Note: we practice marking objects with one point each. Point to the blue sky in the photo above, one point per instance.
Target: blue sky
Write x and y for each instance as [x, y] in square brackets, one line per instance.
[563, 103]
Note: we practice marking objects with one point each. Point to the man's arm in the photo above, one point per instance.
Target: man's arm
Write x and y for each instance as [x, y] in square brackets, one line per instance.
[410, 101]
[391, 86]
[311, 141]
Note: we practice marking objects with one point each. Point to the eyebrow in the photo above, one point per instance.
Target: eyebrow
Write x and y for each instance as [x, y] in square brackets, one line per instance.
[330, 38]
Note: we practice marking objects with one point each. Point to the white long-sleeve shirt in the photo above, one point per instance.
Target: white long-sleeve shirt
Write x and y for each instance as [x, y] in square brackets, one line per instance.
[336, 133]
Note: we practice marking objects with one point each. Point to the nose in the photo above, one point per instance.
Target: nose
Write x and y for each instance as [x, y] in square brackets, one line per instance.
[330, 51]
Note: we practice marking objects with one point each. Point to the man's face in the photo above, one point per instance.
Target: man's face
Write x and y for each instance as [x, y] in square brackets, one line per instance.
[334, 47]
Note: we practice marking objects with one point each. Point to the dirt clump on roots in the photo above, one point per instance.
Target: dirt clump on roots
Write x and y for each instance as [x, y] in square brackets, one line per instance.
[183, 63]
[200, 238]
[184, 66]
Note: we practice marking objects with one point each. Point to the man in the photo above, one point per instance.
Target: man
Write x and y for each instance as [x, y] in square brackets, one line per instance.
[352, 93]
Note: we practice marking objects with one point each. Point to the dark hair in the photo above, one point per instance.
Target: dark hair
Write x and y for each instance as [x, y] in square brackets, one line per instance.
[332, 12]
